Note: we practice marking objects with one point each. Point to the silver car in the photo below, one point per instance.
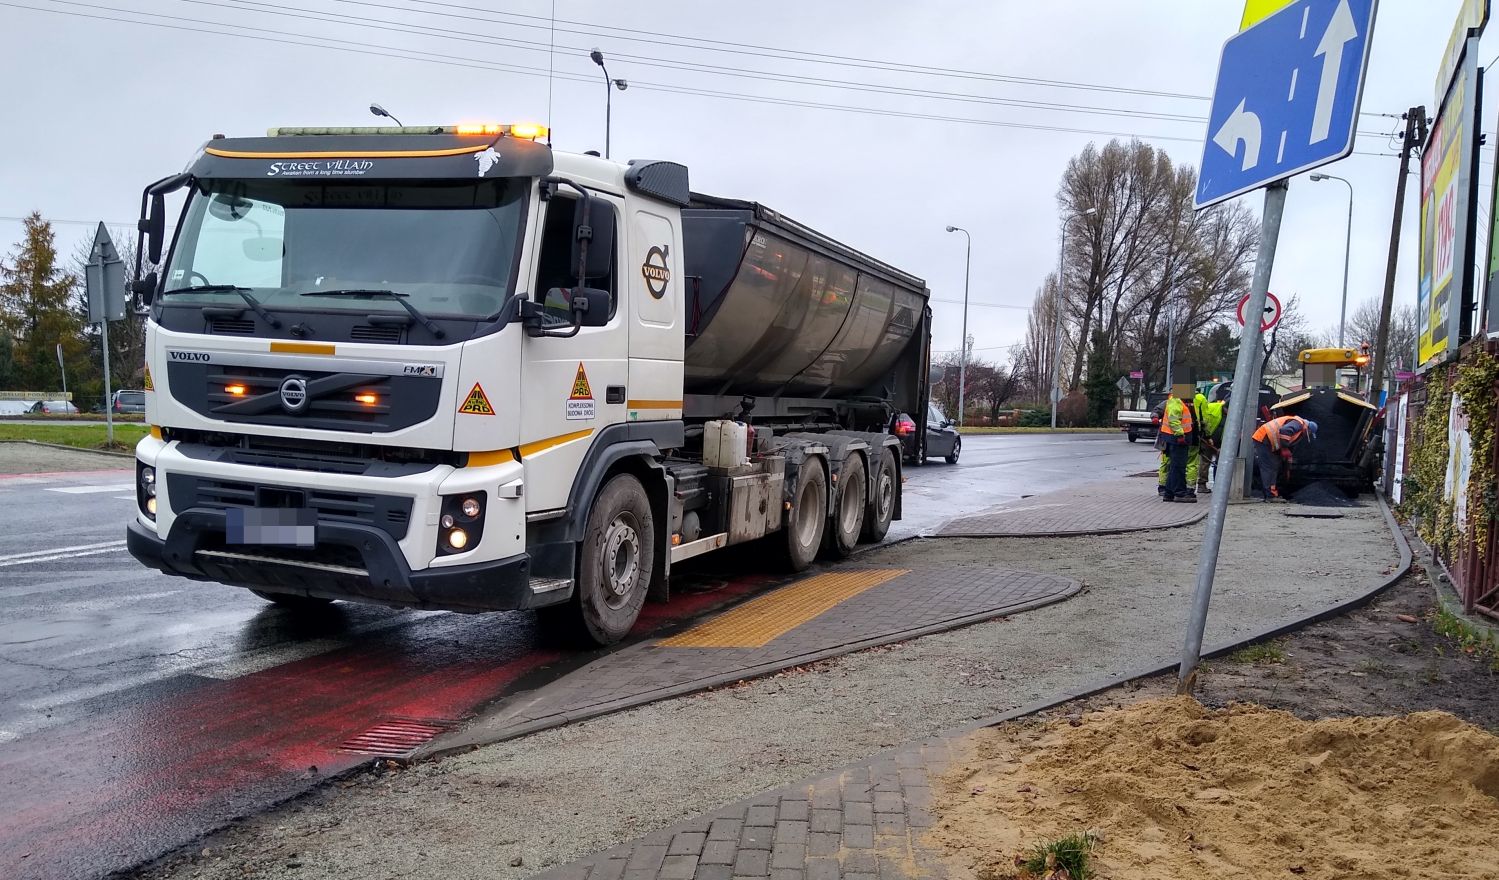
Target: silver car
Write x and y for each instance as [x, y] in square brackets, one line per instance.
[129, 402]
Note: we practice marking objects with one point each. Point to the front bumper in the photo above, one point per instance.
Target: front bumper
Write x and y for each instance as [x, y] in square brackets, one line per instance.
[351, 562]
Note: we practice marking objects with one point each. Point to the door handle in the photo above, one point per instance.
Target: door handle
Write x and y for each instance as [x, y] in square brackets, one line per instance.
[614, 394]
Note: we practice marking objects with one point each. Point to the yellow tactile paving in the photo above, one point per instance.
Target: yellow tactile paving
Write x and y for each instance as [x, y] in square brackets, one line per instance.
[760, 621]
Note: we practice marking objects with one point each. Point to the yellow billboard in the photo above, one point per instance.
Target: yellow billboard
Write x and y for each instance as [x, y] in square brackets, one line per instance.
[1443, 207]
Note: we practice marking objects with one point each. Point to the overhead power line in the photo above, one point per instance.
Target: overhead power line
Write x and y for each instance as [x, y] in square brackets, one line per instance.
[193, 25]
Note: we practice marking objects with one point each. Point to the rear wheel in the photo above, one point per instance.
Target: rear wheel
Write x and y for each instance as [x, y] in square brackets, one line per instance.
[1132, 437]
[881, 509]
[614, 567]
[848, 519]
[292, 601]
[957, 447]
[808, 516]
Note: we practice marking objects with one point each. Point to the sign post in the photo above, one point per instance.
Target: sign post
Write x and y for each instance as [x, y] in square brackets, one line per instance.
[104, 284]
[1286, 101]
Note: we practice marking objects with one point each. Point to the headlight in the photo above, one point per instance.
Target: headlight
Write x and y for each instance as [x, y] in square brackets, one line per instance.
[471, 507]
[145, 489]
[458, 539]
[460, 525]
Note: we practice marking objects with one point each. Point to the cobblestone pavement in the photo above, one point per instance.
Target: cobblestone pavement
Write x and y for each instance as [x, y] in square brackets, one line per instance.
[846, 609]
[1096, 508]
[863, 823]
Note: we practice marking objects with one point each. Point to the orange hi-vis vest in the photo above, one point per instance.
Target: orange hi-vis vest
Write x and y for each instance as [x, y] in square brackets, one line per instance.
[1284, 431]
[1181, 414]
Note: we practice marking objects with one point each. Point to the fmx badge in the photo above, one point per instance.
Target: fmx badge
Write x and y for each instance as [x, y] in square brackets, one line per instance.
[656, 272]
[476, 404]
[580, 404]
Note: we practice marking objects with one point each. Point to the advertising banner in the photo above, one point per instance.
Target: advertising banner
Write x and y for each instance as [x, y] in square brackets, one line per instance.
[1444, 297]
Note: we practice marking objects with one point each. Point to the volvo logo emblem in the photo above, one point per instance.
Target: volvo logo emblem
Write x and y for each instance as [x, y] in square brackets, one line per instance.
[294, 394]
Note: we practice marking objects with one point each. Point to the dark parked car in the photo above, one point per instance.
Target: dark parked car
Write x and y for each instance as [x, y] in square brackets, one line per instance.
[129, 402]
[942, 438]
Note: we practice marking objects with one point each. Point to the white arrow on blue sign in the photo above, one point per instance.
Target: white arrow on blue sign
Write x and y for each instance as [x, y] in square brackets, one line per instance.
[1288, 96]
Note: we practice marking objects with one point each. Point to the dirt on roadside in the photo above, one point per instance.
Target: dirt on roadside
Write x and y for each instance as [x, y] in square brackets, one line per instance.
[19, 457]
[1170, 788]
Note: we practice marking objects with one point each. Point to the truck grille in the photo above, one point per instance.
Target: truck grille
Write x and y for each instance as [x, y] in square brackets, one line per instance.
[389, 513]
[231, 327]
[398, 401]
[372, 333]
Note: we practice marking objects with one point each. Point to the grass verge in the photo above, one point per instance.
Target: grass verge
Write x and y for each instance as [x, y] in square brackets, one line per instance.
[83, 436]
[1264, 652]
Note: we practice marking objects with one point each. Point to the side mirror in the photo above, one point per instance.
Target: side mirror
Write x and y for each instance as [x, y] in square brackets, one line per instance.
[155, 227]
[591, 306]
[144, 289]
[593, 225]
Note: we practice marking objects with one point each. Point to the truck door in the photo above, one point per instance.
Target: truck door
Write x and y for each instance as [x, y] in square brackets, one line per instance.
[654, 269]
[571, 389]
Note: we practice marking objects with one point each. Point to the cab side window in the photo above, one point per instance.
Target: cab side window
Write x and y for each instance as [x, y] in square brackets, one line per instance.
[556, 274]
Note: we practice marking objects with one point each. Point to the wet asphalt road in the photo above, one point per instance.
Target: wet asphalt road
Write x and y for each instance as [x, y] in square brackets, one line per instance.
[137, 710]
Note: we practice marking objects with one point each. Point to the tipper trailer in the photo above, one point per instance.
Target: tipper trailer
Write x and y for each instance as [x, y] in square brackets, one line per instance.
[449, 368]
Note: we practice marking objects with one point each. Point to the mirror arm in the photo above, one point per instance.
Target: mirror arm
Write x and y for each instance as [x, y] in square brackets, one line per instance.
[585, 230]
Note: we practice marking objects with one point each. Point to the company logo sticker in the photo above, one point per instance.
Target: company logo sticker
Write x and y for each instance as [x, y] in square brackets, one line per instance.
[199, 357]
[657, 273]
[428, 370]
[321, 168]
[476, 404]
[487, 160]
[580, 405]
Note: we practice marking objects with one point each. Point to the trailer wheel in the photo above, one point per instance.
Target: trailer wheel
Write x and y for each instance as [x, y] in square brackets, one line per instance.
[614, 568]
[881, 509]
[847, 521]
[293, 602]
[808, 516]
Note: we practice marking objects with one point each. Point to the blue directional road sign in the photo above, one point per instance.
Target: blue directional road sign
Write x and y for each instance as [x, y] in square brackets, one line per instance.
[1288, 96]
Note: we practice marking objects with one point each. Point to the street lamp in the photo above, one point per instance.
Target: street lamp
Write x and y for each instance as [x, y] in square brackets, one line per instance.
[381, 111]
[598, 58]
[1056, 346]
[963, 350]
[1347, 247]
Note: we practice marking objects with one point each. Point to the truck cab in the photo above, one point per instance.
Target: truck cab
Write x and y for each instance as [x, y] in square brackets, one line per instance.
[442, 367]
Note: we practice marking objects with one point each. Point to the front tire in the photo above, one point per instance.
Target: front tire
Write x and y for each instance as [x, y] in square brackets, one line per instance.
[882, 503]
[808, 517]
[848, 519]
[957, 447]
[1132, 437]
[614, 568]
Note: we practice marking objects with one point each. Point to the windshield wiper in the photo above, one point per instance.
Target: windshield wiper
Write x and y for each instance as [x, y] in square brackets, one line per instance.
[400, 298]
[244, 292]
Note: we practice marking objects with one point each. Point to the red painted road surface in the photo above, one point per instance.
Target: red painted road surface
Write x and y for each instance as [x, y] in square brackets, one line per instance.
[129, 784]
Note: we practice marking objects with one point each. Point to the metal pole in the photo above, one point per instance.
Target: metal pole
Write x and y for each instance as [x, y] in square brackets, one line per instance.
[1170, 341]
[963, 354]
[1415, 133]
[1249, 352]
[109, 410]
[1056, 340]
[608, 110]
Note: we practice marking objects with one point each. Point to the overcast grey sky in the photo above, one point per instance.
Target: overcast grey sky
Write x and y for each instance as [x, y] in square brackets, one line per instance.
[95, 109]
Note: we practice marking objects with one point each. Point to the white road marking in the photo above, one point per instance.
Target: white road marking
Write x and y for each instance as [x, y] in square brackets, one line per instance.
[53, 554]
[124, 497]
[91, 490]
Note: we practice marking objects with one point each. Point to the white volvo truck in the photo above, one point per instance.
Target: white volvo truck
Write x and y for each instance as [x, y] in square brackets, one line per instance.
[447, 367]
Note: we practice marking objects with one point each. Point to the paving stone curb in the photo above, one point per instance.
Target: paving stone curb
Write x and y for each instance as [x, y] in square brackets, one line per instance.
[66, 448]
[863, 821]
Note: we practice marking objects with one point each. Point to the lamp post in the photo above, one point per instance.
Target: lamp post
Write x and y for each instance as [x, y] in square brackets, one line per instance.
[609, 84]
[1347, 248]
[963, 350]
[381, 111]
[1056, 345]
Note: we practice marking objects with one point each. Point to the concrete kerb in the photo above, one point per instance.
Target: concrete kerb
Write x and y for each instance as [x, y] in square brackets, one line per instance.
[66, 448]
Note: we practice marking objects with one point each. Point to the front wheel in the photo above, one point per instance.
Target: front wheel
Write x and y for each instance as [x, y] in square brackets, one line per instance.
[957, 447]
[1132, 437]
[848, 519]
[614, 567]
[808, 516]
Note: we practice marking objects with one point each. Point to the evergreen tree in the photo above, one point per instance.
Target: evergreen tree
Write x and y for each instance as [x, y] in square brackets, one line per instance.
[37, 312]
[1100, 387]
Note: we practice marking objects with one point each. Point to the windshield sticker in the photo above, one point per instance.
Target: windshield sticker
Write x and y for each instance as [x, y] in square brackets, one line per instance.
[476, 404]
[321, 168]
[656, 272]
[580, 405]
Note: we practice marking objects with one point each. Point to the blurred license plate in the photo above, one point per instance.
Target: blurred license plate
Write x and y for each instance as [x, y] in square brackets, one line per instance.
[279, 526]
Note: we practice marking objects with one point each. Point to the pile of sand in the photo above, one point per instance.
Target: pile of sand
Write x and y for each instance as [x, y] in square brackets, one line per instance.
[1175, 790]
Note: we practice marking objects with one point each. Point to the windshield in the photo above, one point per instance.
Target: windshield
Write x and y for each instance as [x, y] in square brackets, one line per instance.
[449, 247]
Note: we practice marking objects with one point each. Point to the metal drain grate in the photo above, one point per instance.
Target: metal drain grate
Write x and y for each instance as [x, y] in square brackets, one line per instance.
[394, 737]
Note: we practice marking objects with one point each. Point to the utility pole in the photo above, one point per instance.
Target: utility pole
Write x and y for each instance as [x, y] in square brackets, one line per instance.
[1415, 134]
[963, 349]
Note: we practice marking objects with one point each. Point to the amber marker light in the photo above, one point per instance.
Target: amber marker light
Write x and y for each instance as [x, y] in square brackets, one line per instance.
[235, 390]
[367, 399]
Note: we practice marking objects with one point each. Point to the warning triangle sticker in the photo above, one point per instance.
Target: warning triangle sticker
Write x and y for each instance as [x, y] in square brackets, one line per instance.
[150, 386]
[581, 390]
[477, 404]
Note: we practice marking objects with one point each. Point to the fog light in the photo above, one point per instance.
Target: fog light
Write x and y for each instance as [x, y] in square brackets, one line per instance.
[151, 505]
[148, 476]
[150, 490]
[446, 521]
[470, 507]
[458, 539]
